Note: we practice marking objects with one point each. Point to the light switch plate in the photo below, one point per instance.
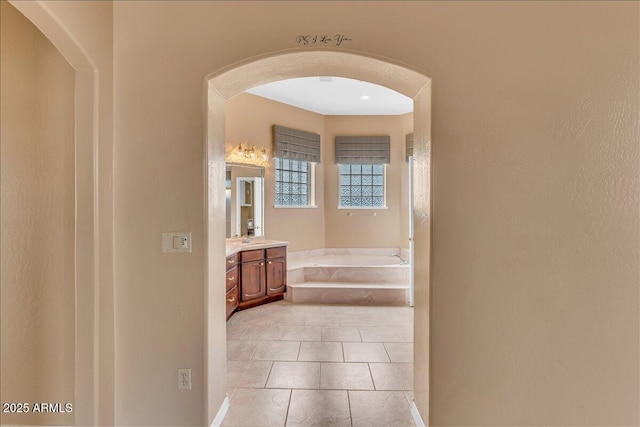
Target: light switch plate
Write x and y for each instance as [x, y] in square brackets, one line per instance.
[178, 242]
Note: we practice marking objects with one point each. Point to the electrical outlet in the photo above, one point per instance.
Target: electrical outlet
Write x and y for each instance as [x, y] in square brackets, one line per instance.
[184, 379]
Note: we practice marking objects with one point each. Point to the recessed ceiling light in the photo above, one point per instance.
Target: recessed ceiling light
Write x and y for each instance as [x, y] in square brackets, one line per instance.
[365, 97]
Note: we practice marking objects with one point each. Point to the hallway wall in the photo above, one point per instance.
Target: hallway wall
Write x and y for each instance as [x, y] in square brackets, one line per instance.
[37, 229]
[533, 131]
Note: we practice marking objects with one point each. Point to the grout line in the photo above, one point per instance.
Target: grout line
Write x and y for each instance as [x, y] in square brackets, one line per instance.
[267, 380]
[254, 351]
[387, 351]
[286, 417]
[349, 403]
[371, 374]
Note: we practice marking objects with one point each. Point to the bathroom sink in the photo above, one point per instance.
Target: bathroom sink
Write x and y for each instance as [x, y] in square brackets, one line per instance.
[235, 242]
[263, 242]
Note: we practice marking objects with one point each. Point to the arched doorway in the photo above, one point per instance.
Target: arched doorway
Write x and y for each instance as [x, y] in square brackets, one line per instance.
[229, 82]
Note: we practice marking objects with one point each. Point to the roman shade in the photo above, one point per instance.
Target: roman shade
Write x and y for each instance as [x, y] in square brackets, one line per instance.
[364, 150]
[409, 146]
[296, 144]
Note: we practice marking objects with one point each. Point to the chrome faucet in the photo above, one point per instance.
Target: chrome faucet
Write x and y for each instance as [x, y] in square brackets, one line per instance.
[246, 239]
[404, 261]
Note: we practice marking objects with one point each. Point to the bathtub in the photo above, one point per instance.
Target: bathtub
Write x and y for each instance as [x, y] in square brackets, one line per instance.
[356, 260]
[349, 276]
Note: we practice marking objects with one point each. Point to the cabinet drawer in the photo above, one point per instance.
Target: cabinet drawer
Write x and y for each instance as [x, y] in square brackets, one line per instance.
[232, 278]
[232, 261]
[254, 255]
[232, 301]
[279, 252]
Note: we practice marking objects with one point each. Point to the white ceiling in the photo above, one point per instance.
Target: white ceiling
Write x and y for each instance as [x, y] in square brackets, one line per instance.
[336, 96]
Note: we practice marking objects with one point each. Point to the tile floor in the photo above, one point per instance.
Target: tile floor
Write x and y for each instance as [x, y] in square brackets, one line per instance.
[320, 365]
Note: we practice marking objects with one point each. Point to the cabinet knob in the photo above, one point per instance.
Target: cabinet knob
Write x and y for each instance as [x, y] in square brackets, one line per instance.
[262, 263]
[232, 299]
[231, 278]
[269, 262]
[230, 261]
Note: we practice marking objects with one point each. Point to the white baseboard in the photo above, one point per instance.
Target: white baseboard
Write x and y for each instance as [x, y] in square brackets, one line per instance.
[416, 415]
[222, 412]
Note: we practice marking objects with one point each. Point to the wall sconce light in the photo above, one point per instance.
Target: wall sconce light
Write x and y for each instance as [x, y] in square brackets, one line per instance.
[251, 153]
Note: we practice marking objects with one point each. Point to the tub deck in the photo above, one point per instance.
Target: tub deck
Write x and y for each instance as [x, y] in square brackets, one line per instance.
[382, 280]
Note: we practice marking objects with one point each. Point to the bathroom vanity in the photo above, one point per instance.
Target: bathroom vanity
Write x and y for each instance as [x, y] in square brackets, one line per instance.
[256, 274]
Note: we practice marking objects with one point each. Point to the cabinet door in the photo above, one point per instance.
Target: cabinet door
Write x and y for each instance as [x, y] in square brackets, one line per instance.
[276, 275]
[253, 280]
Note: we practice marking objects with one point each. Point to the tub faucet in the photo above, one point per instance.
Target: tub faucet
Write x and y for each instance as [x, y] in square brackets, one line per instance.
[404, 261]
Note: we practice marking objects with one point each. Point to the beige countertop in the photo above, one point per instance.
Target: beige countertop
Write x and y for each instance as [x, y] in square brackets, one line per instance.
[235, 245]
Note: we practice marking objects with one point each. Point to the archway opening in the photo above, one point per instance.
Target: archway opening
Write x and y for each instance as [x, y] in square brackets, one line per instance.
[227, 83]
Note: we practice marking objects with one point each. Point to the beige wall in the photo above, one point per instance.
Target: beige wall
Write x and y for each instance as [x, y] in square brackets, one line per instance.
[535, 214]
[519, 187]
[249, 120]
[37, 211]
[385, 230]
[421, 263]
[535, 198]
[83, 33]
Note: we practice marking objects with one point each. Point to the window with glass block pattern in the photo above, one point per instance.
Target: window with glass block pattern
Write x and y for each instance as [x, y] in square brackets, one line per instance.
[293, 181]
[362, 186]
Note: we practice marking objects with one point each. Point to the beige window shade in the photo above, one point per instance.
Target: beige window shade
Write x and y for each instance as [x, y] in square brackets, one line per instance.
[296, 144]
[363, 150]
[409, 146]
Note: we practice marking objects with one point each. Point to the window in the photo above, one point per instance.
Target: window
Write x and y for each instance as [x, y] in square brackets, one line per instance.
[362, 186]
[294, 183]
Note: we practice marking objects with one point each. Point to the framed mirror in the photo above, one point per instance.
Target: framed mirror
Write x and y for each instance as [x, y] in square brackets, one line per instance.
[244, 200]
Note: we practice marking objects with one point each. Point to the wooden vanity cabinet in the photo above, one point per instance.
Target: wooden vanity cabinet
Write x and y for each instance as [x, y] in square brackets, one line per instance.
[263, 276]
[233, 295]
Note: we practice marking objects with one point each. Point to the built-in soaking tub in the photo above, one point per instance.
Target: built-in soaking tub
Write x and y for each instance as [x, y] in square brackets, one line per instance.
[357, 260]
[349, 276]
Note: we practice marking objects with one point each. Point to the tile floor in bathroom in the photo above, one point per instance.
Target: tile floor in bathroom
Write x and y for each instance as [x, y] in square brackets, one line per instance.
[321, 365]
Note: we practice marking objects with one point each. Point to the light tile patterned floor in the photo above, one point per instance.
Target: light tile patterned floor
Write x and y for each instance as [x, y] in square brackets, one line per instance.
[320, 365]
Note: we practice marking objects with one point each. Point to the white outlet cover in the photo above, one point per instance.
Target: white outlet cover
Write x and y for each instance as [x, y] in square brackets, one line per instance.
[184, 379]
[167, 242]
